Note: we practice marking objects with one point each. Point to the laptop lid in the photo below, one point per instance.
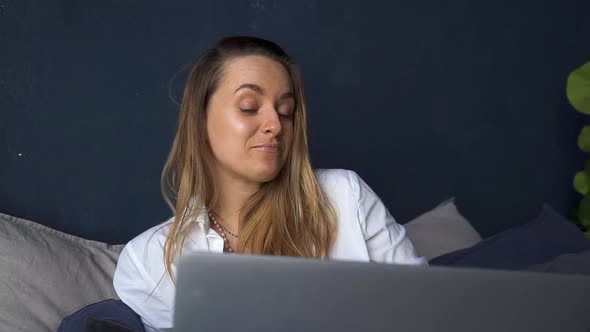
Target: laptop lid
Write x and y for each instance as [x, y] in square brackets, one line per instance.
[217, 292]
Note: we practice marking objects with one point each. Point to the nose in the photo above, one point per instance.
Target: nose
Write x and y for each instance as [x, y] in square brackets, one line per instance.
[272, 123]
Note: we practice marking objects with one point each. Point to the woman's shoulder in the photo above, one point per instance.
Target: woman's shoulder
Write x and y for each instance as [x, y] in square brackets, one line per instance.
[342, 186]
[334, 176]
[140, 278]
[153, 236]
[143, 256]
[338, 180]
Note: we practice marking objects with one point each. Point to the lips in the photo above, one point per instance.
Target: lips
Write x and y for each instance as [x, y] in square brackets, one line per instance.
[267, 147]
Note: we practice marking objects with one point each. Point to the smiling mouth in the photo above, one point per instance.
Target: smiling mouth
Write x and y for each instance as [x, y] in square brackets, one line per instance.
[267, 147]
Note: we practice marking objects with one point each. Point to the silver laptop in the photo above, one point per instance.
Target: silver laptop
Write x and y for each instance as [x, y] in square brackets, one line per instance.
[218, 292]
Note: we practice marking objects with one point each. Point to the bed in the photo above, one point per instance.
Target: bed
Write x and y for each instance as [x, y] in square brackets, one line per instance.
[47, 274]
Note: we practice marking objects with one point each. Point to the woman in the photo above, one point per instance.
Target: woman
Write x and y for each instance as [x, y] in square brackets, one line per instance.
[239, 179]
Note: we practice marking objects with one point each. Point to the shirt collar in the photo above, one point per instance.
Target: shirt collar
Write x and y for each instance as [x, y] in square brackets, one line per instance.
[202, 220]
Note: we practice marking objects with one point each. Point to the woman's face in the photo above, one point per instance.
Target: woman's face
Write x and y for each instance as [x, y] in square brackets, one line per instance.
[250, 119]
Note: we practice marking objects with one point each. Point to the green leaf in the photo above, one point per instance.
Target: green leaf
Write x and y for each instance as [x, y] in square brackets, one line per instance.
[584, 210]
[587, 233]
[578, 88]
[584, 139]
[582, 183]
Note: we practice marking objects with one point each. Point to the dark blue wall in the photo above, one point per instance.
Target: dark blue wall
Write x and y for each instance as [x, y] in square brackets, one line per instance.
[424, 99]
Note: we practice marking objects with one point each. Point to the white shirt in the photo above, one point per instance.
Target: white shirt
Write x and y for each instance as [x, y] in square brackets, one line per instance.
[366, 232]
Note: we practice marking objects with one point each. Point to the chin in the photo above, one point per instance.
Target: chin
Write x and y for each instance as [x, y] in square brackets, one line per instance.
[266, 177]
[267, 174]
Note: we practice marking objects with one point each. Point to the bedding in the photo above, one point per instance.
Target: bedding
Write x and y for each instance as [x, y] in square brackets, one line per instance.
[114, 316]
[441, 230]
[543, 239]
[48, 275]
[578, 263]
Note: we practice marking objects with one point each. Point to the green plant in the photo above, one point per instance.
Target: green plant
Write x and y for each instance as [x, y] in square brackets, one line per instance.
[578, 94]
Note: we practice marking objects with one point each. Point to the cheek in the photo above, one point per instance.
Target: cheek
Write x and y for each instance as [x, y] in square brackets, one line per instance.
[289, 131]
[229, 133]
[288, 138]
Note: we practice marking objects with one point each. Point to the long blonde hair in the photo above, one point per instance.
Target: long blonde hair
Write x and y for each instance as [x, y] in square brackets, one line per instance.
[289, 215]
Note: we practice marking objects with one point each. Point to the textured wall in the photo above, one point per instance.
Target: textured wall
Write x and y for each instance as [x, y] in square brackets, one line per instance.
[424, 99]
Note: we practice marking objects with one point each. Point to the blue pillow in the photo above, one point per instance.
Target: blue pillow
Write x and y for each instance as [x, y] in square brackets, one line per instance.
[108, 315]
[566, 264]
[548, 236]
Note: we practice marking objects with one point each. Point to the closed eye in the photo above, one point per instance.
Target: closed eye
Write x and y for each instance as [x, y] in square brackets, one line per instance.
[287, 116]
[248, 111]
[285, 112]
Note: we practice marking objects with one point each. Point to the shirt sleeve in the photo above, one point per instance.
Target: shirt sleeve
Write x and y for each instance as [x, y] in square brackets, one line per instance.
[137, 289]
[386, 240]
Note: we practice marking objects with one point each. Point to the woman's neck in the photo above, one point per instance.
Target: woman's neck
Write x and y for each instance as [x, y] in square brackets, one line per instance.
[232, 198]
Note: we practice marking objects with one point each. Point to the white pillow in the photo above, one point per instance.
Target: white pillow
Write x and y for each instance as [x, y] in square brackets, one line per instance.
[441, 230]
[46, 274]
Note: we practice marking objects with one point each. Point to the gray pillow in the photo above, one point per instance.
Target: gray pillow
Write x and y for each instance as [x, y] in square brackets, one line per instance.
[441, 230]
[46, 274]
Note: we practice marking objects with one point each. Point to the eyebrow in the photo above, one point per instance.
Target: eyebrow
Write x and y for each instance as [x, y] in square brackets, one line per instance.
[260, 90]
